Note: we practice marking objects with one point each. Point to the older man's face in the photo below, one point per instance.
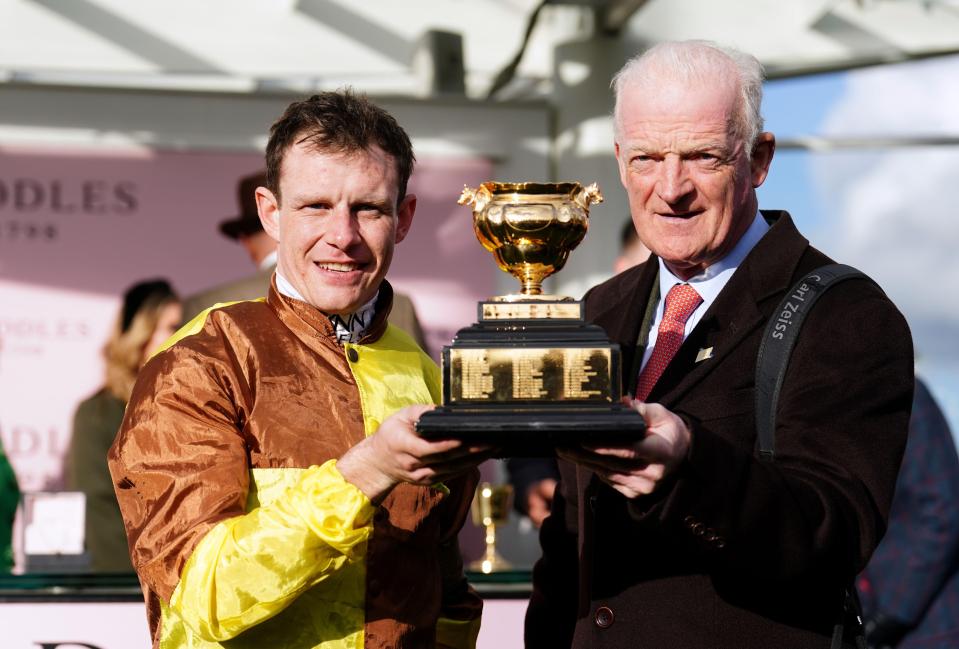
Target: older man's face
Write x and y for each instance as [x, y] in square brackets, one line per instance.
[337, 223]
[689, 178]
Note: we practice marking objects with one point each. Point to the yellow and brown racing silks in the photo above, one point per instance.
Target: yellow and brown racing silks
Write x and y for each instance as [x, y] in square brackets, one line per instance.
[243, 532]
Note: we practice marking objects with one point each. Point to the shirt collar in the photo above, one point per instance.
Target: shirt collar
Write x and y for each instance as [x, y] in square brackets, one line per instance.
[349, 328]
[712, 280]
[285, 288]
[269, 261]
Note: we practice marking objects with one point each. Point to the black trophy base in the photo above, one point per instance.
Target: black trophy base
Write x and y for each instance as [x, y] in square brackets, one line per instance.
[533, 432]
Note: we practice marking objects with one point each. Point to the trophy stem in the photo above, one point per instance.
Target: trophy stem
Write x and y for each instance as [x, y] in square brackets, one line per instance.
[532, 288]
[491, 561]
[532, 284]
[490, 507]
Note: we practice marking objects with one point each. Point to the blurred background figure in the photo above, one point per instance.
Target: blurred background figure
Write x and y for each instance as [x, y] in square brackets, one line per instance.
[910, 589]
[247, 230]
[9, 499]
[632, 252]
[534, 479]
[151, 312]
[534, 482]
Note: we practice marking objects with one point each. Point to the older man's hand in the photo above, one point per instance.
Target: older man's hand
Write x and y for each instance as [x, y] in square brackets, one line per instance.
[637, 469]
[395, 453]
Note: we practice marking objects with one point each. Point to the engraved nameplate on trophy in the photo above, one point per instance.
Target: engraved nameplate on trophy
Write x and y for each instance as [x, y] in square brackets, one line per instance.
[505, 374]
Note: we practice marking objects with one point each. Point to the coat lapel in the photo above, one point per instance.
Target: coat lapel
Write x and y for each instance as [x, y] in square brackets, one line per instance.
[738, 310]
[622, 316]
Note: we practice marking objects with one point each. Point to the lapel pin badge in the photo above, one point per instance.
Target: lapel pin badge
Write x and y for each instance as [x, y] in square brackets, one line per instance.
[704, 353]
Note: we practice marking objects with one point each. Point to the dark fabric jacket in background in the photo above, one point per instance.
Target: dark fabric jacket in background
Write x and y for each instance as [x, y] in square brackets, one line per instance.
[251, 287]
[735, 553]
[913, 577]
[524, 472]
[95, 426]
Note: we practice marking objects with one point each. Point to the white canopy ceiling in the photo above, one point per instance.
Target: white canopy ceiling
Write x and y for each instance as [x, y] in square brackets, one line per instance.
[262, 45]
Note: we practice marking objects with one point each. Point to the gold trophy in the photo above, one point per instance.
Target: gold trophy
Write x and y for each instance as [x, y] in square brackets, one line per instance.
[490, 508]
[531, 374]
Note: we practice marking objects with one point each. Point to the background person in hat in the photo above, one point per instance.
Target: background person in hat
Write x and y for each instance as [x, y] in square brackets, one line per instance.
[247, 230]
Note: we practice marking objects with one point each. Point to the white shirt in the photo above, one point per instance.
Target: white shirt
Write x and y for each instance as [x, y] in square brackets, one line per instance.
[285, 288]
[348, 329]
[708, 283]
[268, 262]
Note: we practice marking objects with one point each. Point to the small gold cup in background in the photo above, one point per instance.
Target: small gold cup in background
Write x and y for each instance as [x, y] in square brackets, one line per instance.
[490, 508]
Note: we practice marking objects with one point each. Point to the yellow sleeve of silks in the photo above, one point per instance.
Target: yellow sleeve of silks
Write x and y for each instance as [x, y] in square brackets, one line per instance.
[457, 634]
[249, 568]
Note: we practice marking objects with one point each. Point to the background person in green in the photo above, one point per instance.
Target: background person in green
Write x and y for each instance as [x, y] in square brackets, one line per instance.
[9, 498]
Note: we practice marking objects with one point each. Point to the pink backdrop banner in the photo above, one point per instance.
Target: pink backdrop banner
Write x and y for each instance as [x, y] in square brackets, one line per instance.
[78, 227]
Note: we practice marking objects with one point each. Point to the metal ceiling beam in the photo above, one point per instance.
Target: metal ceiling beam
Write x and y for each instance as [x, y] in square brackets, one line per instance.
[852, 63]
[822, 144]
[614, 15]
[358, 28]
[852, 37]
[136, 40]
[611, 15]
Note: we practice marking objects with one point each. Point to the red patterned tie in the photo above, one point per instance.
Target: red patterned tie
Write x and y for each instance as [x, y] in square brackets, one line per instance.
[681, 301]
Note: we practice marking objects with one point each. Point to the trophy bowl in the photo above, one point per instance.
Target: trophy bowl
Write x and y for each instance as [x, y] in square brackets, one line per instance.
[530, 227]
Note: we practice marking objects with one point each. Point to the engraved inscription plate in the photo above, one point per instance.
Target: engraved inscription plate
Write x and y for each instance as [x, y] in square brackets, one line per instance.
[475, 376]
[528, 376]
[531, 311]
[504, 375]
[581, 373]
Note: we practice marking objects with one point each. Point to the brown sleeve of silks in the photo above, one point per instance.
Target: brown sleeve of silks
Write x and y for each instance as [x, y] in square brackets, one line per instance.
[460, 600]
[179, 464]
